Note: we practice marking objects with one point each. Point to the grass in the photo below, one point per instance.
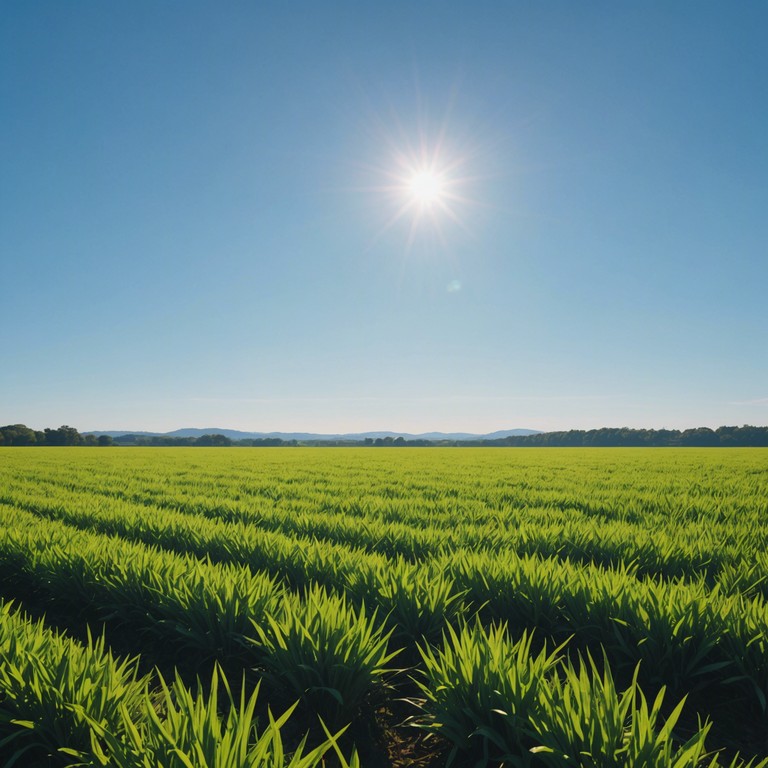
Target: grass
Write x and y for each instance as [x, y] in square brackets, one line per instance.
[320, 571]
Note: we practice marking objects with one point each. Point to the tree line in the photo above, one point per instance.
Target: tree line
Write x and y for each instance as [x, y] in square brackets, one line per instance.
[726, 437]
[703, 437]
[204, 441]
[609, 437]
[20, 434]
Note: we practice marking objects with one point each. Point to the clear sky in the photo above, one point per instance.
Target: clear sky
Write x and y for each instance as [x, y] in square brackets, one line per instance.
[208, 215]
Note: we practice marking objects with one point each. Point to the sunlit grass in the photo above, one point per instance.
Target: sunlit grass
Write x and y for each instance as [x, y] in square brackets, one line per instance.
[312, 568]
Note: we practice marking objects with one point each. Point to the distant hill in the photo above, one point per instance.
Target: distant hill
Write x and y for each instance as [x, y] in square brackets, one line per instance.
[234, 434]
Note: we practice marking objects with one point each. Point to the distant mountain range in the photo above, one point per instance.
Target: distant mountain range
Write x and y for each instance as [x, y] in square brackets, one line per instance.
[234, 434]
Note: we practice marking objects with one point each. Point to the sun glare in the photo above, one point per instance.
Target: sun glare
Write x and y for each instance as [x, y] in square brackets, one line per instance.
[425, 181]
[426, 187]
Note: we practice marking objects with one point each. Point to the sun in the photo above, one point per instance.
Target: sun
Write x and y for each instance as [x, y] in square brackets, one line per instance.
[427, 188]
[426, 180]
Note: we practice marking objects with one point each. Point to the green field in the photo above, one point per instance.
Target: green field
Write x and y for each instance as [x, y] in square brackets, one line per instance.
[543, 607]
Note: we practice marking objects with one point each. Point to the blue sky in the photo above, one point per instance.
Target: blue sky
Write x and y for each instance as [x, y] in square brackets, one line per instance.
[205, 220]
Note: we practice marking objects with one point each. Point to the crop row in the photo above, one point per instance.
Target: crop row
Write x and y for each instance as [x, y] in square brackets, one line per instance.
[715, 554]
[492, 699]
[200, 607]
[500, 702]
[686, 484]
[65, 703]
[687, 637]
[647, 567]
[657, 542]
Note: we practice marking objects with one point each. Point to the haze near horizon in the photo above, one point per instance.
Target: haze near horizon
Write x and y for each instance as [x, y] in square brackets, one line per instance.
[340, 217]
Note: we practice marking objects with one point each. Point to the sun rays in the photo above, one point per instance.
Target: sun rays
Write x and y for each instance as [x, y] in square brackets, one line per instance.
[427, 188]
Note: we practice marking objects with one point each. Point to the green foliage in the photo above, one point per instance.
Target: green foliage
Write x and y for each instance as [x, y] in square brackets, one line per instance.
[584, 720]
[62, 703]
[52, 689]
[190, 733]
[199, 609]
[418, 603]
[316, 566]
[497, 703]
[482, 690]
[328, 654]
